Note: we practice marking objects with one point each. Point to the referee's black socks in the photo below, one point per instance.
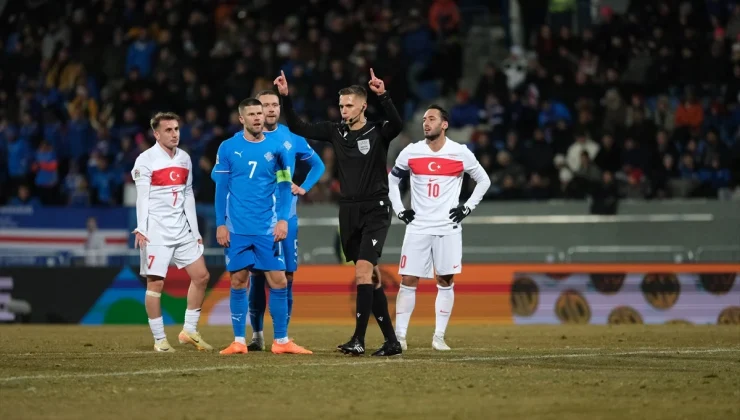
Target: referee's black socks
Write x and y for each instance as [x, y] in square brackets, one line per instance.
[364, 308]
[380, 311]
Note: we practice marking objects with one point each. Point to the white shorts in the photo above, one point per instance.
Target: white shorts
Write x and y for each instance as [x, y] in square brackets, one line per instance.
[156, 259]
[425, 255]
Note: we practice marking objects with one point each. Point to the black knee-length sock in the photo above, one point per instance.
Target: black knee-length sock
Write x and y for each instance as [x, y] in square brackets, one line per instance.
[364, 308]
[380, 311]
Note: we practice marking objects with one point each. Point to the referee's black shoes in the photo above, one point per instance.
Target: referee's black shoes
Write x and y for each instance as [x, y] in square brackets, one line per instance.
[389, 349]
[354, 346]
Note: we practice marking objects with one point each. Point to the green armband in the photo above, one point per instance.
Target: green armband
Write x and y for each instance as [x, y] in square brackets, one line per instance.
[283, 175]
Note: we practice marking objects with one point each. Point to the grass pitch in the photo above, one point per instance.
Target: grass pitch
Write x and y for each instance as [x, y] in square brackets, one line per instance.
[512, 372]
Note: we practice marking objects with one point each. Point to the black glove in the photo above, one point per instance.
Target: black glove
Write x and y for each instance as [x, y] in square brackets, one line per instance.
[459, 213]
[407, 216]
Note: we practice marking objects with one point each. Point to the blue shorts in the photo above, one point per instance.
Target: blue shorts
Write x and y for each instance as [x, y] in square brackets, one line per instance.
[290, 246]
[254, 252]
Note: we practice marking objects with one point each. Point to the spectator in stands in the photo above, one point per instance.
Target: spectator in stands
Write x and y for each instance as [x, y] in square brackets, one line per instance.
[83, 104]
[444, 17]
[19, 158]
[615, 116]
[609, 156]
[689, 114]
[664, 117]
[491, 82]
[80, 194]
[47, 177]
[713, 178]
[515, 68]
[582, 144]
[493, 115]
[105, 181]
[507, 182]
[552, 112]
[605, 197]
[538, 155]
[465, 112]
[587, 170]
[140, 54]
[24, 198]
[538, 187]
[95, 255]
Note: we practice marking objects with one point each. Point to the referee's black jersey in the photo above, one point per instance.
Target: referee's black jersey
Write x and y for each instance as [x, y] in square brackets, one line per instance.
[361, 155]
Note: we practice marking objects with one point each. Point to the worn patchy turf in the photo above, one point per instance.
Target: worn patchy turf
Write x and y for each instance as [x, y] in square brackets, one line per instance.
[512, 372]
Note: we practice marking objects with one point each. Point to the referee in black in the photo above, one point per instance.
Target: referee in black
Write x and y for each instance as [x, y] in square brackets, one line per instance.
[361, 148]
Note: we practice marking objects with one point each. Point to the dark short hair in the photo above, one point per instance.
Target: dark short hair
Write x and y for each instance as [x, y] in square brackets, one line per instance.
[249, 102]
[354, 90]
[442, 112]
[266, 92]
[163, 116]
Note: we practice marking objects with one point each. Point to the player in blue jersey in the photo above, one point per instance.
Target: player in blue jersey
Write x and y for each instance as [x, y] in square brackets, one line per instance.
[299, 148]
[250, 171]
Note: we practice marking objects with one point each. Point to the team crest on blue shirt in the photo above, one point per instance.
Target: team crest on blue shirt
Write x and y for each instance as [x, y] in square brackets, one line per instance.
[268, 156]
[287, 145]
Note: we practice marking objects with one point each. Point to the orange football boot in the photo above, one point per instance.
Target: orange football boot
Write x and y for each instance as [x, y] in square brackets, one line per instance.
[235, 348]
[288, 348]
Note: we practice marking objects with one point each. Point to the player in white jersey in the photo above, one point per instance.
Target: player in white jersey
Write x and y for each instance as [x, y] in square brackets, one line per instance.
[432, 245]
[167, 229]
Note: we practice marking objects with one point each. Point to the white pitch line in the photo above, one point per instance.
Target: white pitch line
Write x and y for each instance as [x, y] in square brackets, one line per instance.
[612, 354]
[359, 363]
[319, 350]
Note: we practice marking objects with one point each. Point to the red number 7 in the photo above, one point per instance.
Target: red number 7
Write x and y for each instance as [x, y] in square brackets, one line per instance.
[151, 261]
[175, 194]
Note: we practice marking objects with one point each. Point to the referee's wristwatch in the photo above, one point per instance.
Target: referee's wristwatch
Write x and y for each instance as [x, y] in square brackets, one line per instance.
[407, 216]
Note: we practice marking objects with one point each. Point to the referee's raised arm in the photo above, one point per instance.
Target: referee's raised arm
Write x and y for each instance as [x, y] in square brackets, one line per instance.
[315, 131]
[393, 126]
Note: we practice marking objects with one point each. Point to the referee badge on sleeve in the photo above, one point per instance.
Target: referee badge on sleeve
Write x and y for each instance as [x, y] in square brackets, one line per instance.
[363, 145]
[137, 174]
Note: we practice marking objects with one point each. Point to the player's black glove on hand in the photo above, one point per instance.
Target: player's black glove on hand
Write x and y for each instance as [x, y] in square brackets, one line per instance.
[458, 213]
[407, 216]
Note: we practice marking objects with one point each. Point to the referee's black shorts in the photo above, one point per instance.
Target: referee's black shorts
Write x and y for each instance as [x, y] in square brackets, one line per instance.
[363, 227]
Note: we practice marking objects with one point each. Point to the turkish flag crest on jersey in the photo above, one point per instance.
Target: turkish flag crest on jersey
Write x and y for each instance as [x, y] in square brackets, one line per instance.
[435, 166]
[170, 176]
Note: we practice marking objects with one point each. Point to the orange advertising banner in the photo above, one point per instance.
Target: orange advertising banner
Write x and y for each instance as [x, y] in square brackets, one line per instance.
[507, 294]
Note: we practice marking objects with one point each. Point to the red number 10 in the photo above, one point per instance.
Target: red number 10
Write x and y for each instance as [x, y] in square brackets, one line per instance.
[433, 190]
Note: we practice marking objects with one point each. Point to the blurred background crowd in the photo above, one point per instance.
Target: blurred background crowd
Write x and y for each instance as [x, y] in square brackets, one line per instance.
[640, 104]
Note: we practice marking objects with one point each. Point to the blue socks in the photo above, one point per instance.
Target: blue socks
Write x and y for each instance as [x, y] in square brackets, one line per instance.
[290, 300]
[281, 306]
[257, 301]
[279, 312]
[238, 305]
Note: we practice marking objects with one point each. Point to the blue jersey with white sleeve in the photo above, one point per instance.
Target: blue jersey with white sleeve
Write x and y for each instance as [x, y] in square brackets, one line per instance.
[298, 149]
[248, 175]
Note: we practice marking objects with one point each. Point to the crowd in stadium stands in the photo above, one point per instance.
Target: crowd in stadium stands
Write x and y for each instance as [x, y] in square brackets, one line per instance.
[640, 105]
[80, 79]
